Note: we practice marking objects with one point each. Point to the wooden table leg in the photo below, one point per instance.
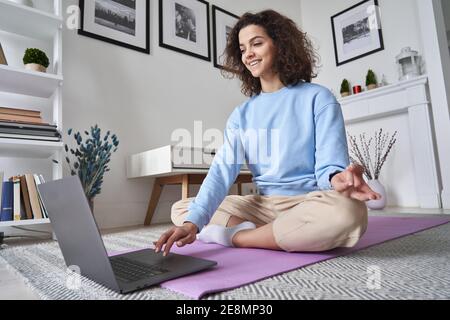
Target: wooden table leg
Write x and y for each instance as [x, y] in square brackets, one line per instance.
[185, 180]
[154, 198]
[239, 189]
[185, 187]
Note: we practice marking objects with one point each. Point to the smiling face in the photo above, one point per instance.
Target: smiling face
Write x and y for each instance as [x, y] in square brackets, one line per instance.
[258, 51]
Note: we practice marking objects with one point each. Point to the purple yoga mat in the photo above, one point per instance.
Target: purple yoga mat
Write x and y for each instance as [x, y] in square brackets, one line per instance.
[237, 266]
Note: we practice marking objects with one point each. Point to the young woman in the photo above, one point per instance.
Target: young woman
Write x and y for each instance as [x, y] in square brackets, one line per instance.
[310, 198]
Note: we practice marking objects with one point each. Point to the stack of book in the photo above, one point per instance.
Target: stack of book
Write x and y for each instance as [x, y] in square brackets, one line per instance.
[20, 198]
[26, 124]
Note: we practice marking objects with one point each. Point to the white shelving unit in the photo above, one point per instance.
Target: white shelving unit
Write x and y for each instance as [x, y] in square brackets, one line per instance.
[32, 83]
[36, 149]
[29, 22]
[44, 26]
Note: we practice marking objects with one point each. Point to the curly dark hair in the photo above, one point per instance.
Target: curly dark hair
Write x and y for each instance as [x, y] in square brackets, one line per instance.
[296, 59]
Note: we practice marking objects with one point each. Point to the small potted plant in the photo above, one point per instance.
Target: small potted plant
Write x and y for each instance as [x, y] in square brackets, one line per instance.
[345, 88]
[371, 80]
[35, 59]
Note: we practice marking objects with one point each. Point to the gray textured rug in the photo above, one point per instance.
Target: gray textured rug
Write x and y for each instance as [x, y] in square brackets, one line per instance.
[413, 267]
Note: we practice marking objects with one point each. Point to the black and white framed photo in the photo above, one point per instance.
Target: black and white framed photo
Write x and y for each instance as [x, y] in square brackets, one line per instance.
[357, 32]
[223, 21]
[184, 27]
[122, 22]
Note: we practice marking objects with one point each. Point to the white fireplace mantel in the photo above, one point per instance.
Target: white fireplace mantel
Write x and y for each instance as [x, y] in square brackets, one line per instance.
[408, 97]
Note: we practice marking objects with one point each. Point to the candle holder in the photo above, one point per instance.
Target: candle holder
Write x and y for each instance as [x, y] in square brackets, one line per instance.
[357, 89]
[408, 62]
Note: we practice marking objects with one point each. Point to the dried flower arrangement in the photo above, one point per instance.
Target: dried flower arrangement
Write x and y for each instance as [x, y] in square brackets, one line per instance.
[361, 154]
[92, 158]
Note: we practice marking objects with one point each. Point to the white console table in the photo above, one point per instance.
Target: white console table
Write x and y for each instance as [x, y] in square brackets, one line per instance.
[409, 98]
[168, 169]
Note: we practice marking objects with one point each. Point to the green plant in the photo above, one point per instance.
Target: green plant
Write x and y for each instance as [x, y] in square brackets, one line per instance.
[371, 78]
[33, 55]
[92, 158]
[345, 86]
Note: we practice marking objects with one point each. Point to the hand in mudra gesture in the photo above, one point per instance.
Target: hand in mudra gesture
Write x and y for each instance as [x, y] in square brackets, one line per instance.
[351, 184]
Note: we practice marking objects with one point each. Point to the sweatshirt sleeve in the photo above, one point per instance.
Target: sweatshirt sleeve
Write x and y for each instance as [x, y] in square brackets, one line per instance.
[331, 144]
[221, 175]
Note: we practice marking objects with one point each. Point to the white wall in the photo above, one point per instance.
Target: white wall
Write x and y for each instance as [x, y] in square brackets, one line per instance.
[399, 27]
[143, 98]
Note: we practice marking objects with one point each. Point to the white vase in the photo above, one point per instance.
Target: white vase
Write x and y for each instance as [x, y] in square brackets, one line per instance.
[376, 186]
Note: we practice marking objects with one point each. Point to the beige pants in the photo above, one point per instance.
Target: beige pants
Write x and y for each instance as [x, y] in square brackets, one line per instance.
[318, 221]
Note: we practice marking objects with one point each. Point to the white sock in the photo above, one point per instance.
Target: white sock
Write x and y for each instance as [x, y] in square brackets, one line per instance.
[223, 235]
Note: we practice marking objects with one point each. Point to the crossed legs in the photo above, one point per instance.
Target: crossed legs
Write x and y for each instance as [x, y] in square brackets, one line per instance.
[319, 221]
[261, 237]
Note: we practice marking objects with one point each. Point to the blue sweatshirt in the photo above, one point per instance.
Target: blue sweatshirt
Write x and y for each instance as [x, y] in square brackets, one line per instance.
[291, 139]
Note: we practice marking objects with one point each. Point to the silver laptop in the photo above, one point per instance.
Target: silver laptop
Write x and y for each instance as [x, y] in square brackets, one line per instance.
[82, 246]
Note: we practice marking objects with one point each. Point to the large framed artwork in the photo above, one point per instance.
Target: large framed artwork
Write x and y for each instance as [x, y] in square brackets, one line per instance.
[122, 22]
[357, 32]
[184, 27]
[223, 21]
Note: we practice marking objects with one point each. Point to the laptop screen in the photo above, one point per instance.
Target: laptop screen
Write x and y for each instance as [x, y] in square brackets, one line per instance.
[76, 230]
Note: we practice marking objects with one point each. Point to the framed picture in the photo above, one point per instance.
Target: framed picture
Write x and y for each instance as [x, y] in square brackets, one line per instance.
[223, 21]
[184, 27]
[122, 22]
[357, 32]
[2, 56]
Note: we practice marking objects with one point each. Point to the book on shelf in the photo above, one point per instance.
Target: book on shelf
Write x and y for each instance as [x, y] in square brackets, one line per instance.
[2, 56]
[38, 179]
[33, 132]
[13, 200]
[29, 137]
[21, 199]
[6, 213]
[41, 178]
[15, 130]
[23, 119]
[17, 207]
[26, 198]
[20, 125]
[20, 112]
[1, 188]
[34, 197]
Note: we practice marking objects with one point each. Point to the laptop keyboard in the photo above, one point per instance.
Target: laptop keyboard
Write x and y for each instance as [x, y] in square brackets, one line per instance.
[131, 270]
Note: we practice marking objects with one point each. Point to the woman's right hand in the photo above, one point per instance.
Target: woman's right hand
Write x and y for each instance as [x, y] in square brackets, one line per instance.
[183, 235]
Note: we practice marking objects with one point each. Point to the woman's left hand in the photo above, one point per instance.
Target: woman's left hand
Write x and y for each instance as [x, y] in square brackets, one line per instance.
[351, 184]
